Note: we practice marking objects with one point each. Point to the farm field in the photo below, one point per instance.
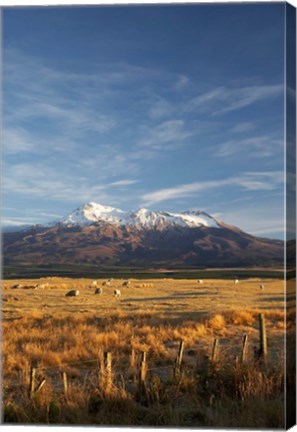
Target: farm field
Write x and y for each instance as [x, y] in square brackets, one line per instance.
[55, 333]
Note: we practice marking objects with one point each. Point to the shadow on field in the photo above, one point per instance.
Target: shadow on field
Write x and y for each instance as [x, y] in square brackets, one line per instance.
[273, 299]
[172, 317]
[171, 297]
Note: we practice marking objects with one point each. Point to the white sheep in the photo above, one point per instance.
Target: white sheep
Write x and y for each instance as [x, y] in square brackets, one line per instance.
[261, 286]
[117, 293]
[236, 281]
[99, 291]
[200, 281]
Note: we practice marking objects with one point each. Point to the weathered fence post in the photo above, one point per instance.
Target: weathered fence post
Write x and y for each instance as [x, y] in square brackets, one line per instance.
[178, 360]
[142, 372]
[65, 385]
[32, 389]
[40, 385]
[263, 340]
[215, 346]
[244, 348]
[32, 381]
[133, 364]
[132, 358]
[107, 371]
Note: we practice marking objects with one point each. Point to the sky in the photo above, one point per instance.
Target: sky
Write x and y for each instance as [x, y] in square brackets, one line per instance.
[176, 107]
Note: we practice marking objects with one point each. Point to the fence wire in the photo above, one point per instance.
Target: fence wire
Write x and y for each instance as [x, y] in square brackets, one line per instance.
[132, 371]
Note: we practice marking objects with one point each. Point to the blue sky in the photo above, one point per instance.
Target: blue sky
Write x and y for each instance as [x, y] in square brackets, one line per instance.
[165, 107]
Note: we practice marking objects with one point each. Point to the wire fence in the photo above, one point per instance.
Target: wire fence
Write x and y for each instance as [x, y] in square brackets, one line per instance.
[136, 367]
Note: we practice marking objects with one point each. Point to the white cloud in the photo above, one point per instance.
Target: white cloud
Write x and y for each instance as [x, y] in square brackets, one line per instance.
[16, 140]
[165, 135]
[124, 182]
[159, 108]
[181, 82]
[6, 221]
[264, 218]
[42, 179]
[247, 181]
[65, 117]
[258, 146]
[222, 100]
[242, 127]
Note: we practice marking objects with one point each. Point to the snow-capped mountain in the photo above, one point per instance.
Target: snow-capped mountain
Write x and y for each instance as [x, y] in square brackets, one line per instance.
[93, 213]
[107, 236]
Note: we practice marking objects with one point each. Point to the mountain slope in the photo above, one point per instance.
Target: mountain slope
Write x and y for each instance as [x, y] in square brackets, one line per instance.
[104, 235]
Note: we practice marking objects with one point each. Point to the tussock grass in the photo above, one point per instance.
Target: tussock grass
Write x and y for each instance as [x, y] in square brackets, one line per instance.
[56, 332]
[215, 395]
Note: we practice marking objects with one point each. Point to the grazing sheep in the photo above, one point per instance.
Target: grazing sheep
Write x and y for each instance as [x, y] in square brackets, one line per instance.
[117, 293]
[107, 283]
[72, 293]
[200, 281]
[93, 284]
[17, 286]
[126, 283]
[236, 281]
[99, 291]
[261, 286]
[41, 286]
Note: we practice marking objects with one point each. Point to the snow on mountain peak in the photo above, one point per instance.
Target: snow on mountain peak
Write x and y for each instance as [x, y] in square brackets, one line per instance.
[92, 212]
[142, 218]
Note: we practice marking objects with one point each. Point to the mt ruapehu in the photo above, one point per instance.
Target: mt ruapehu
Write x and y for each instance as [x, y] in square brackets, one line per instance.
[104, 235]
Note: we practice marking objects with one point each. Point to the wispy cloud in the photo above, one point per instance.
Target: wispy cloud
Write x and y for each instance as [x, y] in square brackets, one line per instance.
[181, 82]
[256, 147]
[159, 108]
[165, 135]
[222, 100]
[252, 181]
[6, 221]
[242, 127]
[76, 137]
[17, 140]
[124, 182]
[246, 217]
[64, 116]
[42, 181]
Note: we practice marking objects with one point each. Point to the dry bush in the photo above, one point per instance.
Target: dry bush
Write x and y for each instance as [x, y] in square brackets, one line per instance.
[240, 317]
[217, 322]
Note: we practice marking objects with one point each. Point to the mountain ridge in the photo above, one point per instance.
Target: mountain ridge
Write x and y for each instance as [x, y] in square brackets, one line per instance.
[107, 236]
[92, 212]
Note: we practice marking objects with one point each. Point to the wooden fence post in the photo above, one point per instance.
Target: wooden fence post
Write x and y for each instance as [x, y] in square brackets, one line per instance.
[263, 340]
[215, 346]
[142, 372]
[244, 348]
[133, 364]
[65, 385]
[132, 358]
[178, 360]
[32, 381]
[107, 372]
[40, 385]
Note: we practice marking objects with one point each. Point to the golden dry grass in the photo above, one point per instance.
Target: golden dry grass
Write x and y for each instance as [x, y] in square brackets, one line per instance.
[45, 325]
[152, 315]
